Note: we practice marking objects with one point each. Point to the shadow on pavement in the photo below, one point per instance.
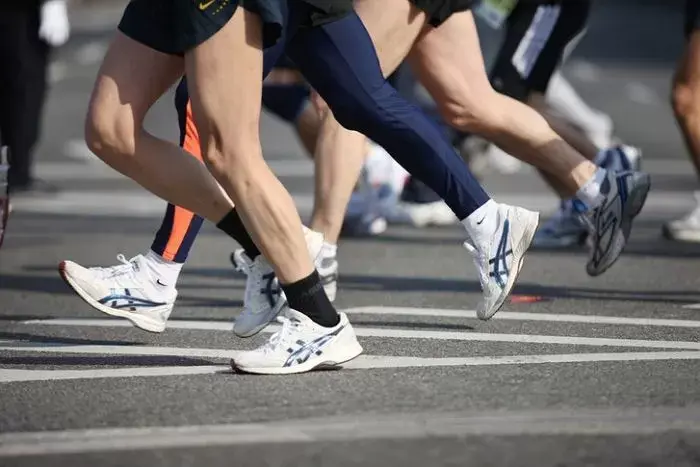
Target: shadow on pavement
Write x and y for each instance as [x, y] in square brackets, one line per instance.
[135, 360]
[23, 336]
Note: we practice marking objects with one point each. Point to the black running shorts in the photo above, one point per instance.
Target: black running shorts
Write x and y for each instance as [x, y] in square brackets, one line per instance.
[176, 26]
[692, 16]
[439, 10]
[538, 36]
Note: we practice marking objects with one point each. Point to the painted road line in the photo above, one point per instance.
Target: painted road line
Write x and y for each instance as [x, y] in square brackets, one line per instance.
[404, 311]
[523, 316]
[634, 421]
[365, 331]
[364, 362]
[136, 203]
[114, 203]
[14, 376]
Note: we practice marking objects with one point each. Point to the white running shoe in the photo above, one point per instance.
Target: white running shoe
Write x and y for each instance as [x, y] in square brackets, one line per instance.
[563, 230]
[422, 215]
[687, 228]
[610, 223]
[327, 266]
[264, 299]
[126, 290]
[500, 258]
[300, 346]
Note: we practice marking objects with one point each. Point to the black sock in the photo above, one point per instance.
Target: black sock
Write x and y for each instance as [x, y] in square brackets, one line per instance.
[232, 225]
[308, 297]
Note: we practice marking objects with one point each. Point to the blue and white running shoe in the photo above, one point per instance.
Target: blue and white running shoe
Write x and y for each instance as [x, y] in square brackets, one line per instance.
[565, 229]
[300, 346]
[610, 223]
[499, 257]
[126, 290]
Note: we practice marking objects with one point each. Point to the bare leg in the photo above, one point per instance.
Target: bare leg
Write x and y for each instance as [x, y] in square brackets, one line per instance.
[448, 62]
[571, 135]
[686, 98]
[339, 156]
[231, 142]
[131, 79]
[308, 126]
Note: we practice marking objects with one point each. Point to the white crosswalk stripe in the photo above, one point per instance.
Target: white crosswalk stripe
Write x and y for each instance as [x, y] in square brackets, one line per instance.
[611, 349]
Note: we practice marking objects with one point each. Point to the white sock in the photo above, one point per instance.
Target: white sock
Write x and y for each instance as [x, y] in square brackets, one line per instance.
[164, 271]
[482, 223]
[590, 193]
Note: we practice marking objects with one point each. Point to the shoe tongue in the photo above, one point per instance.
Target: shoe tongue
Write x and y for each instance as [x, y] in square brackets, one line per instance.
[294, 315]
[137, 263]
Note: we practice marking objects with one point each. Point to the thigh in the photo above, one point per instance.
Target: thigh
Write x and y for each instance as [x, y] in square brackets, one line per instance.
[224, 76]
[448, 61]
[393, 26]
[131, 79]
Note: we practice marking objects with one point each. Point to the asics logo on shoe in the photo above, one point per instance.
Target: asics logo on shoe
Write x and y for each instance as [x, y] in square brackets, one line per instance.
[271, 290]
[306, 350]
[606, 223]
[124, 300]
[499, 262]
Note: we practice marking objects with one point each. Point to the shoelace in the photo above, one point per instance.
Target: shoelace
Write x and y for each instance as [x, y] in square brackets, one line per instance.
[126, 268]
[281, 336]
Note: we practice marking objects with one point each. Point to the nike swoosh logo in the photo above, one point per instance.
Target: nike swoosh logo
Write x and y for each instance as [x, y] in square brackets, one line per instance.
[481, 221]
[161, 284]
[204, 5]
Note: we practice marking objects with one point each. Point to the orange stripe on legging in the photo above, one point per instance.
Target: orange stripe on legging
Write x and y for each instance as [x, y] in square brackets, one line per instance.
[182, 218]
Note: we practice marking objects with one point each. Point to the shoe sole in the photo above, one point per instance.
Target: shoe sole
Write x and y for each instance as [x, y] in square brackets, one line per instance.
[142, 322]
[636, 202]
[328, 362]
[533, 220]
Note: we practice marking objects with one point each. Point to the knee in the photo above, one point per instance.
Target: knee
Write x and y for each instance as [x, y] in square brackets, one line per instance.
[237, 148]
[685, 100]
[110, 134]
[473, 112]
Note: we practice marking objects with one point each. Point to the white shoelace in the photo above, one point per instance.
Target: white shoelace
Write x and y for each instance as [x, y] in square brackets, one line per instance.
[282, 336]
[126, 268]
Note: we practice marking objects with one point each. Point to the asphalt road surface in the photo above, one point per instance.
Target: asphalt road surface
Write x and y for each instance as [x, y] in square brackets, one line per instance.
[597, 372]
